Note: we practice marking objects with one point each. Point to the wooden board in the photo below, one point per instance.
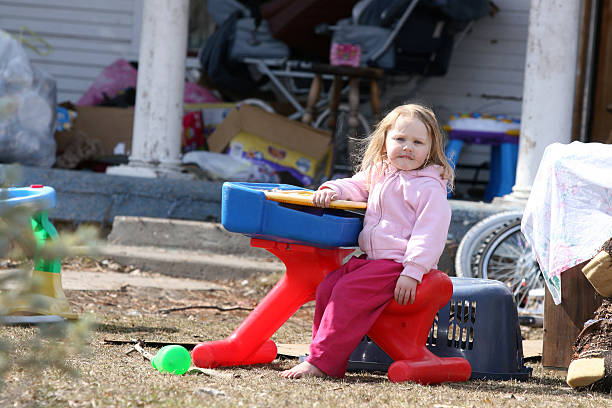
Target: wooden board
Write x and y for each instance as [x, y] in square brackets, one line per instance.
[304, 197]
[532, 349]
[563, 322]
[293, 350]
[601, 124]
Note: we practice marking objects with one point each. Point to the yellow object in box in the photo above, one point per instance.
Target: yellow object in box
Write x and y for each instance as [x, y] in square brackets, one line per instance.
[261, 151]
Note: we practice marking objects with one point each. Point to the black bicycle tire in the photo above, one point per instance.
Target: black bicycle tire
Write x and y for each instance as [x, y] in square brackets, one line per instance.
[492, 243]
[471, 241]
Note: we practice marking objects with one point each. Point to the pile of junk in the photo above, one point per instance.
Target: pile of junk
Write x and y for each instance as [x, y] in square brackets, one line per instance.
[246, 111]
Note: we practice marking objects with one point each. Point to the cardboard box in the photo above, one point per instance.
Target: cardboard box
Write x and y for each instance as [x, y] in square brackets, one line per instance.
[108, 124]
[113, 125]
[273, 139]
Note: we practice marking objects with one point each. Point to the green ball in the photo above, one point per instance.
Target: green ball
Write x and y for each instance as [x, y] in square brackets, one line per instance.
[172, 359]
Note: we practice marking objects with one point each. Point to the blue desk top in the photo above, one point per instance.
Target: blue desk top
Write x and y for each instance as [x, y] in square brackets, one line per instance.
[245, 209]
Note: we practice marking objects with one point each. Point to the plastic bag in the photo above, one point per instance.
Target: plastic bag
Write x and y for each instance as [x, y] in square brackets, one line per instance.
[219, 166]
[115, 77]
[27, 108]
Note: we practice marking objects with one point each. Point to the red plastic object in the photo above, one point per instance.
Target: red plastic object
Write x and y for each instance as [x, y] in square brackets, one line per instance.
[36, 186]
[250, 343]
[402, 331]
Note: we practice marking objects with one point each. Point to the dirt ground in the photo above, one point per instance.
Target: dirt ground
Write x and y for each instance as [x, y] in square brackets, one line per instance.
[111, 374]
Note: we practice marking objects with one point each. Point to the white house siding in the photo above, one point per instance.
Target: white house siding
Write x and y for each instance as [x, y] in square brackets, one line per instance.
[86, 36]
[485, 75]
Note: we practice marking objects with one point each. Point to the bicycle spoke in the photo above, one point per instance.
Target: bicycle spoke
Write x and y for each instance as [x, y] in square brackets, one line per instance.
[506, 256]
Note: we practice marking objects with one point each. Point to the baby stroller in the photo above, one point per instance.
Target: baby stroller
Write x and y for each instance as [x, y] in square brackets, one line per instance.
[256, 47]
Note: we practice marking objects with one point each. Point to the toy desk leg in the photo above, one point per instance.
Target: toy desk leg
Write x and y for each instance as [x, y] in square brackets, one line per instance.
[402, 331]
[563, 322]
[250, 343]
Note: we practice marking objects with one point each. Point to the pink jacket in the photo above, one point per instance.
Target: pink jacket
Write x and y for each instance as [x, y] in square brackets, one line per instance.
[407, 218]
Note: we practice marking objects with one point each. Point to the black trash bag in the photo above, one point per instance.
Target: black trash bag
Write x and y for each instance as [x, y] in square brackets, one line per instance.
[218, 69]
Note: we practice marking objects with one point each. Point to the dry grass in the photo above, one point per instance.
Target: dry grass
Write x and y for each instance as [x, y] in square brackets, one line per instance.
[111, 378]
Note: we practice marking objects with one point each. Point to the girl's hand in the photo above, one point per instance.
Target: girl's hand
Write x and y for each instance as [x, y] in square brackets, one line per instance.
[405, 290]
[322, 198]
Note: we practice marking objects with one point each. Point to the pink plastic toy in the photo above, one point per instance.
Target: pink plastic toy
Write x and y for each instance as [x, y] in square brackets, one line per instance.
[345, 54]
[401, 331]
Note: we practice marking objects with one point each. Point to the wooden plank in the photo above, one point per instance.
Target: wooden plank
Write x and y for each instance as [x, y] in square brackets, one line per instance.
[488, 30]
[563, 322]
[68, 29]
[74, 57]
[293, 350]
[473, 88]
[70, 70]
[445, 105]
[72, 96]
[492, 46]
[502, 76]
[101, 46]
[28, 14]
[71, 84]
[601, 122]
[513, 5]
[509, 17]
[91, 5]
[474, 59]
[532, 348]
[114, 47]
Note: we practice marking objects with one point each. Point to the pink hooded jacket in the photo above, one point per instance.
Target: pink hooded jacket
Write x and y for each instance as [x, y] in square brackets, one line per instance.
[407, 218]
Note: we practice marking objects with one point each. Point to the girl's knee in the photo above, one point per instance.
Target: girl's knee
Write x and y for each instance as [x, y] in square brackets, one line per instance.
[324, 290]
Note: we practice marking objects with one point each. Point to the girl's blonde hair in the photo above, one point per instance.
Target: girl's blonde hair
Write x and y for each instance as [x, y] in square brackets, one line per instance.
[375, 151]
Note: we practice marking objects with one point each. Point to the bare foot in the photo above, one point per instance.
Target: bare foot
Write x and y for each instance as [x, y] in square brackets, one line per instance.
[304, 369]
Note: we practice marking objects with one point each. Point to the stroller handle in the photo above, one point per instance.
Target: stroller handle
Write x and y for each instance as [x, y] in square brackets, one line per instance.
[385, 16]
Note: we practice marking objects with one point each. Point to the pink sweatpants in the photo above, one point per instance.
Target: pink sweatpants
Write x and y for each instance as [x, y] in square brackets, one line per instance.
[348, 302]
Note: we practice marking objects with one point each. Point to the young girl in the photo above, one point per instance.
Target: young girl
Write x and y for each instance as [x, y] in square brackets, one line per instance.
[404, 178]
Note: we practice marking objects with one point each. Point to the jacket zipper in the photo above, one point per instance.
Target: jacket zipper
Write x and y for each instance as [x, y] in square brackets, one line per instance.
[394, 175]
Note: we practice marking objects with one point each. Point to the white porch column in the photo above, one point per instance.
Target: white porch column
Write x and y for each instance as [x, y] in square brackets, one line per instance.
[156, 141]
[548, 90]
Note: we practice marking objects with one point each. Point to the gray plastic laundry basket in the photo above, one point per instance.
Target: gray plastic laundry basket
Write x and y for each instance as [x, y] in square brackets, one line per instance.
[480, 324]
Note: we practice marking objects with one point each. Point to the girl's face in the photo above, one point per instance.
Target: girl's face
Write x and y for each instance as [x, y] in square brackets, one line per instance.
[407, 143]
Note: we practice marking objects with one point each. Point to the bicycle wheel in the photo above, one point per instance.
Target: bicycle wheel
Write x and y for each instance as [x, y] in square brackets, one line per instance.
[473, 239]
[506, 256]
[341, 135]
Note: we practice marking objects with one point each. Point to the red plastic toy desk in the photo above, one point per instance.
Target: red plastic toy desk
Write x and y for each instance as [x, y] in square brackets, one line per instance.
[401, 331]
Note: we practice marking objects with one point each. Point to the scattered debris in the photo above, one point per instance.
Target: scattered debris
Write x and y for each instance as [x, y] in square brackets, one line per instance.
[146, 343]
[221, 308]
[139, 344]
[145, 354]
[210, 391]
[211, 373]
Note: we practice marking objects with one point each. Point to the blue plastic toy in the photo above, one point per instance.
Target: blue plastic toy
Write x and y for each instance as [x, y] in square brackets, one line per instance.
[266, 219]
